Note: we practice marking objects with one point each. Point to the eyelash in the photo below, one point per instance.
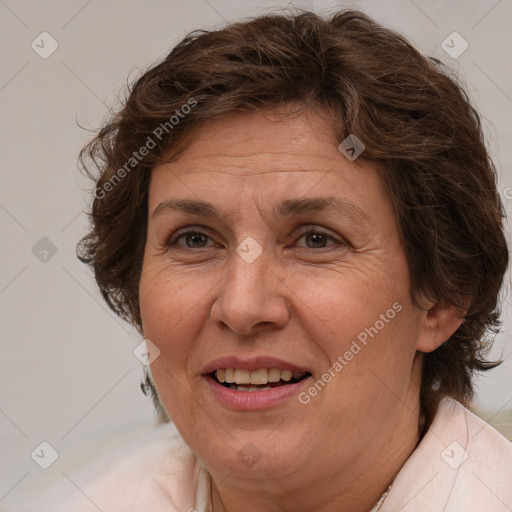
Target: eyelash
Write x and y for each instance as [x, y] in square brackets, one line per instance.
[304, 230]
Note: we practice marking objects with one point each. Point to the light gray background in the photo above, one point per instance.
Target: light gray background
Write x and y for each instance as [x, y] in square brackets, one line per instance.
[67, 373]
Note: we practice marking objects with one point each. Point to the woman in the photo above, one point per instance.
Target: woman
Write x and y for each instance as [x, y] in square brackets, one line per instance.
[301, 218]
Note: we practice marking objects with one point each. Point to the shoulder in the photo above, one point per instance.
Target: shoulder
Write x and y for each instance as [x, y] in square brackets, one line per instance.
[484, 441]
[156, 472]
[462, 463]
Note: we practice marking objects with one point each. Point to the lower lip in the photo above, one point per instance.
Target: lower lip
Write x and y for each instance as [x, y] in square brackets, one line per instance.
[253, 400]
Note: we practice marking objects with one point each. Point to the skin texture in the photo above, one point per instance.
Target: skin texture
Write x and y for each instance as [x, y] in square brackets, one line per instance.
[298, 302]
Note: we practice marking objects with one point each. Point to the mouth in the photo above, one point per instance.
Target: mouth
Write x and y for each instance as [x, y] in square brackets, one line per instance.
[239, 379]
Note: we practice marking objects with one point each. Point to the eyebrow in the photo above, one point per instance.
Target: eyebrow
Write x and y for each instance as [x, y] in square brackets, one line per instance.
[284, 209]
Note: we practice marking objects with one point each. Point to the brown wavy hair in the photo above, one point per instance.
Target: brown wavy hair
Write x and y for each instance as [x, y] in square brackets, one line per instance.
[411, 114]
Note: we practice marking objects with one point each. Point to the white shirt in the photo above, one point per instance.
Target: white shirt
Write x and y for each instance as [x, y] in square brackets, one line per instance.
[461, 465]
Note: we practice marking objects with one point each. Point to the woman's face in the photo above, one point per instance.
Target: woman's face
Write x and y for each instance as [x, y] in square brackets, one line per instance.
[270, 255]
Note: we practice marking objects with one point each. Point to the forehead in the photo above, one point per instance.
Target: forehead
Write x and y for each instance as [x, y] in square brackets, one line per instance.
[297, 141]
[264, 154]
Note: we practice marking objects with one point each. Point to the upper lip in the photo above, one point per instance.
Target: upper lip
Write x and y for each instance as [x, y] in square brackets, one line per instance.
[252, 364]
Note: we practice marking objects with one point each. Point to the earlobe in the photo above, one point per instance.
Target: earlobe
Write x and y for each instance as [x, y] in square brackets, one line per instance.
[438, 323]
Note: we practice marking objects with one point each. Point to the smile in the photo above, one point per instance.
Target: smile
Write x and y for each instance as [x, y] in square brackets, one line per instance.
[239, 379]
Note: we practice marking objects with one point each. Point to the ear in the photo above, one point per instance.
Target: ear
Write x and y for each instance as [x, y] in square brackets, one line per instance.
[437, 324]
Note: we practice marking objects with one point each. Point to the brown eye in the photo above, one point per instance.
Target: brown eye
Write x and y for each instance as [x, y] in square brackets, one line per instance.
[195, 240]
[316, 240]
[190, 240]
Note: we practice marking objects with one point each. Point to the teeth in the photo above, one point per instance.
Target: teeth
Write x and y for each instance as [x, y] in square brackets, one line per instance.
[242, 377]
[244, 388]
[229, 376]
[286, 375]
[274, 375]
[259, 377]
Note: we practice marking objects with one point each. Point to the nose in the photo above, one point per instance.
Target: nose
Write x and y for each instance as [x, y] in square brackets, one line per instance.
[251, 298]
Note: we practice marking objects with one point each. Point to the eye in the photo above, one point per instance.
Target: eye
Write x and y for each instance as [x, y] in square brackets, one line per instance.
[317, 239]
[312, 238]
[190, 239]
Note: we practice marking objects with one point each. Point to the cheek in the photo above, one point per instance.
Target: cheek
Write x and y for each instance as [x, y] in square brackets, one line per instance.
[170, 308]
[363, 325]
[169, 312]
[338, 307]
